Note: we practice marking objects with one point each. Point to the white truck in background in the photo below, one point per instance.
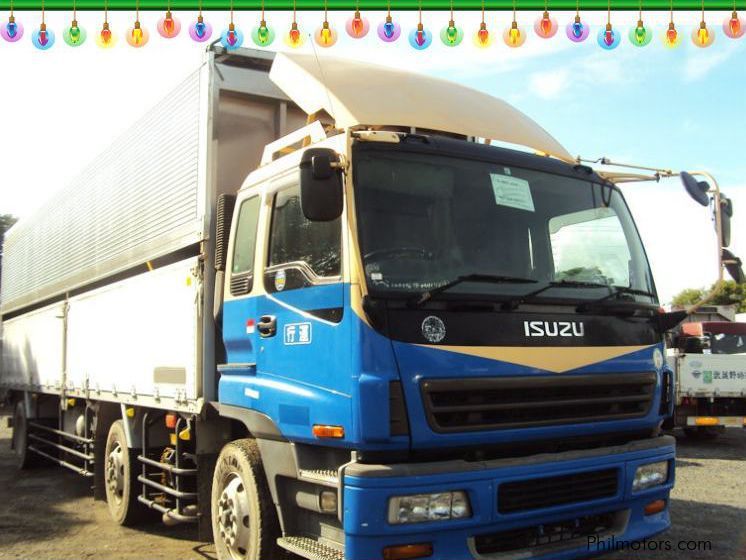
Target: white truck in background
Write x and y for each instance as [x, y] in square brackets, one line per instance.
[709, 361]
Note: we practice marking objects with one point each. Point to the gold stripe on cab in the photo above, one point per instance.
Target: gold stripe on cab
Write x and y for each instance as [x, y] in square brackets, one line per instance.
[556, 359]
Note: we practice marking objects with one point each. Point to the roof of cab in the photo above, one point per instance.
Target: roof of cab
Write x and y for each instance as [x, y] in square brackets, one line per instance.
[356, 93]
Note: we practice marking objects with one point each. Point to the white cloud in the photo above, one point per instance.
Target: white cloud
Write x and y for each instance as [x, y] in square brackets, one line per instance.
[549, 85]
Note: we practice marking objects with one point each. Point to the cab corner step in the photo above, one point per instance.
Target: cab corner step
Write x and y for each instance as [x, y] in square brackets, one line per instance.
[326, 477]
[312, 549]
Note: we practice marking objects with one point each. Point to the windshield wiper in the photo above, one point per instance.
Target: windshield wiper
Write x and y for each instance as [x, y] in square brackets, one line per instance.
[514, 303]
[485, 278]
[617, 291]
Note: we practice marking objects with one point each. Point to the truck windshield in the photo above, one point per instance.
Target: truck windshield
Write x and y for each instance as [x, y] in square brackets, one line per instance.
[426, 220]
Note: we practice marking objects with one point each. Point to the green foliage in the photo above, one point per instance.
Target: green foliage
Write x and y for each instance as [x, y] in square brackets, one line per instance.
[730, 294]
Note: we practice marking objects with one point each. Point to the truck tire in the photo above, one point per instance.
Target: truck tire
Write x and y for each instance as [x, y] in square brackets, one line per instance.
[120, 478]
[244, 519]
[25, 459]
[703, 432]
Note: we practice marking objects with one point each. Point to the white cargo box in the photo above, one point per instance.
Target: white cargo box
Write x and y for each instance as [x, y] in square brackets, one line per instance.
[710, 375]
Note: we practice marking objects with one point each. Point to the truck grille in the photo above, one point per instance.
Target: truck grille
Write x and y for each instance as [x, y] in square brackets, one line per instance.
[457, 405]
[537, 493]
[549, 535]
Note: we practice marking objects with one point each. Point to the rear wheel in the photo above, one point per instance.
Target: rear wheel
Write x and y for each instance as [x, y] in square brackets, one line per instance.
[244, 519]
[703, 432]
[120, 478]
[25, 459]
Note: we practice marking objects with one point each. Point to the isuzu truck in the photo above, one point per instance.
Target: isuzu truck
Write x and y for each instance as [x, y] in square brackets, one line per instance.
[311, 306]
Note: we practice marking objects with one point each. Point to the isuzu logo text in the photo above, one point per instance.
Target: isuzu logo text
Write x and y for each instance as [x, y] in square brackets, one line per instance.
[553, 328]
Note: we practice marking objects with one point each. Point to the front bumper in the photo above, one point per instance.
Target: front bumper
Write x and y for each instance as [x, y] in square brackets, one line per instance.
[367, 489]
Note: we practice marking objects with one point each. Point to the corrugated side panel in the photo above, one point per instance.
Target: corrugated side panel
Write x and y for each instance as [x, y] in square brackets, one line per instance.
[138, 200]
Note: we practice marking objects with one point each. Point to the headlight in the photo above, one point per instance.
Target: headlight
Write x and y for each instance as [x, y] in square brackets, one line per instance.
[652, 474]
[418, 508]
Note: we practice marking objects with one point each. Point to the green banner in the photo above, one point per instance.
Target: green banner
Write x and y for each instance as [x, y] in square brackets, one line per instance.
[369, 5]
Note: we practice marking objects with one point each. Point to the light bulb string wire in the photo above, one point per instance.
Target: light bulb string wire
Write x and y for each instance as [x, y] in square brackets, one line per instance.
[577, 8]
[514, 21]
[608, 13]
[42, 12]
[262, 10]
[483, 11]
[388, 8]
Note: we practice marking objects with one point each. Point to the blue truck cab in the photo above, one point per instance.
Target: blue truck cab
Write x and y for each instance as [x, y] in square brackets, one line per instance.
[441, 348]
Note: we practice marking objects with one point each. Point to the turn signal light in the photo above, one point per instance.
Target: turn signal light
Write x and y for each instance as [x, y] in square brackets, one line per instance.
[334, 432]
[171, 420]
[404, 551]
[655, 507]
[706, 421]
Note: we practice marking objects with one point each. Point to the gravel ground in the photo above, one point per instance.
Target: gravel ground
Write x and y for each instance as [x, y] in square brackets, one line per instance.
[48, 513]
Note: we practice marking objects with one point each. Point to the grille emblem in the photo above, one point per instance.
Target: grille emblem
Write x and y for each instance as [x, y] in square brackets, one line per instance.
[433, 329]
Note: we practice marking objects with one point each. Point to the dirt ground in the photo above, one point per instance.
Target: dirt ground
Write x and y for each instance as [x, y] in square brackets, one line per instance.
[48, 513]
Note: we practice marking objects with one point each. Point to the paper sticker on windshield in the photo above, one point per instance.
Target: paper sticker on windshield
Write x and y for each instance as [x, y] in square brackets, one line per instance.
[512, 192]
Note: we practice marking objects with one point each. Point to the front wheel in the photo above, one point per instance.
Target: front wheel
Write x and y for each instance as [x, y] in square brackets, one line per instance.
[244, 519]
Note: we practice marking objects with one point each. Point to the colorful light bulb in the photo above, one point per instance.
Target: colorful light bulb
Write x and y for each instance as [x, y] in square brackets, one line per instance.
[74, 35]
[200, 30]
[11, 31]
[232, 37]
[357, 26]
[546, 26]
[105, 38]
[388, 30]
[262, 34]
[325, 36]
[733, 26]
[482, 38]
[514, 36]
[420, 38]
[294, 37]
[671, 38]
[169, 26]
[451, 35]
[577, 31]
[137, 36]
[608, 38]
[702, 37]
[639, 35]
[43, 38]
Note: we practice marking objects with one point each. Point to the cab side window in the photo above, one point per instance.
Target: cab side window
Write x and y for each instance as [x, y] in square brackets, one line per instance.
[244, 247]
[305, 246]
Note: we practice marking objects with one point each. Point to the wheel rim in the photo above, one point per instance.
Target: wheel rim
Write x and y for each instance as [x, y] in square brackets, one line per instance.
[233, 517]
[115, 472]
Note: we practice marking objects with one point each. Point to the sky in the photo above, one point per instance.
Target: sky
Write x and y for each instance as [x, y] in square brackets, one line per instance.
[675, 109]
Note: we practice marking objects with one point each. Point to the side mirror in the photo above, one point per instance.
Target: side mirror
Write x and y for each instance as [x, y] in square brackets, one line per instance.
[697, 189]
[734, 267]
[223, 218]
[321, 191]
[726, 213]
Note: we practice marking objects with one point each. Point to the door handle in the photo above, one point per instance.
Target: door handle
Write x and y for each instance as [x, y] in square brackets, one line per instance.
[267, 326]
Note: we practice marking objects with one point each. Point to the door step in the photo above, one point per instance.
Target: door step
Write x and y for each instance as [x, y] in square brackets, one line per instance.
[327, 477]
[310, 548]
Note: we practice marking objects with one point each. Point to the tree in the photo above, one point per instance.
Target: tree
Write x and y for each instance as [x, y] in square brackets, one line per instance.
[730, 294]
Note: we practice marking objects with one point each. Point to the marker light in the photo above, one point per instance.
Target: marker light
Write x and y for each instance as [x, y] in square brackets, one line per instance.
[654, 507]
[408, 551]
[262, 34]
[577, 31]
[419, 508]
[43, 38]
[11, 31]
[650, 475]
[328, 432]
[169, 26]
[546, 26]
[200, 30]
[74, 35]
[105, 38]
[388, 30]
[733, 27]
[232, 37]
[514, 36]
[357, 26]
[325, 36]
[294, 38]
[609, 38]
[420, 38]
[451, 35]
[137, 36]
[701, 36]
[671, 38]
[482, 38]
[640, 36]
